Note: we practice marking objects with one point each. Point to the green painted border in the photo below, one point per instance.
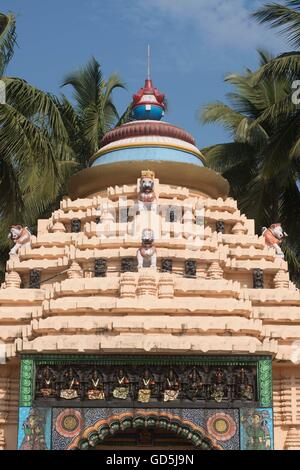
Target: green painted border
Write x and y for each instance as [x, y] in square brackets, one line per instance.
[27, 382]
[265, 383]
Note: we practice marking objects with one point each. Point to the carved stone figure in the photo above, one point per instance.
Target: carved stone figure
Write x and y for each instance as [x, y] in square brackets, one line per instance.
[146, 385]
[34, 279]
[121, 391]
[220, 226]
[46, 380]
[100, 267]
[70, 385]
[244, 389]
[191, 268]
[21, 236]
[195, 385]
[127, 265]
[166, 265]
[274, 236]
[95, 387]
[146, 255]
[171, 386]
[146, 196]
[218, 388]
[258, 278]
[75, 226]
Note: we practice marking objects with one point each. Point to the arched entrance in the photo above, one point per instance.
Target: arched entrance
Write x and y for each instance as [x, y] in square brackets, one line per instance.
[144, 430]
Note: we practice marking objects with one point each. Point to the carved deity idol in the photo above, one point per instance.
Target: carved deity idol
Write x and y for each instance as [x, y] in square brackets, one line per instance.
[146, 385]
[46, 382]
[20, 236]
[244, 390]
[218, 389]
[146, 255]
[195, 384]
[171, 387]
[274, 236]
[70, 385]
[121, 391]
[95, 386]
[146, 196]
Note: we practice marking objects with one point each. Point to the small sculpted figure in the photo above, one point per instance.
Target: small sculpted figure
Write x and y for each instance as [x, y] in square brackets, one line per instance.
[20, 236]
[146, 196]
[274, 236]
[146, 254]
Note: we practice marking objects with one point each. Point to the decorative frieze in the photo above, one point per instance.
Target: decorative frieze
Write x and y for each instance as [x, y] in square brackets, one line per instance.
[147, 384]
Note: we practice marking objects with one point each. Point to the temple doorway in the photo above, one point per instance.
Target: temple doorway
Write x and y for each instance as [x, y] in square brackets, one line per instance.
[145, 439]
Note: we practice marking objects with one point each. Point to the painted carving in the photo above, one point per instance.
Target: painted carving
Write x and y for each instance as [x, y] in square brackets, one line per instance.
[171, 386]
[95, 386]
[146, 255]
[274, 236]
[121, 391]
[219, 388]
[137, 383]
[195, 385]
[46, 380]
[244, 389]
[21, 236]
[70, 385]
[146, 196]
[146, 385]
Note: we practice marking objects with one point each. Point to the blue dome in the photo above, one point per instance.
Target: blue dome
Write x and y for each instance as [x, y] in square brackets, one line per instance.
[148, 111]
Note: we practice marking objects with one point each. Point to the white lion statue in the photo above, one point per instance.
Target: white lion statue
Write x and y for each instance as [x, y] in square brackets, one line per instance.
[21, 236]
[274, 236]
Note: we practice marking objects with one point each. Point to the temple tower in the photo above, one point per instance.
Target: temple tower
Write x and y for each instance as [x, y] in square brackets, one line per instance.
[146, 309]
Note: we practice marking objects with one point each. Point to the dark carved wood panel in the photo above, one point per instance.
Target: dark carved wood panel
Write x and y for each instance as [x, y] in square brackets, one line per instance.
[137, 385]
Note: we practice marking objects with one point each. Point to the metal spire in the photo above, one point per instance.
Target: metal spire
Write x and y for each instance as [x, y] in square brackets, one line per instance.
[149, 58]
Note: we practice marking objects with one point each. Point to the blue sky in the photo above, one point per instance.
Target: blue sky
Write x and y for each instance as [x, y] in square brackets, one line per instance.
[195, 43]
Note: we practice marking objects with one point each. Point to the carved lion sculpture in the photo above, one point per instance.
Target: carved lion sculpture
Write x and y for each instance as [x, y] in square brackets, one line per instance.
[146, 195]
[146, 255]
[20, 236]
[274, 236]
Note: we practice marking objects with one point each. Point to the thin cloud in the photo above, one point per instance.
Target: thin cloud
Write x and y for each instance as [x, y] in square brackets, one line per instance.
[219, 23]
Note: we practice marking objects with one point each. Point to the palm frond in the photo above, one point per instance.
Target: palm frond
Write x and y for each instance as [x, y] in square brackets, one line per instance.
[8, 39]
[286, 17]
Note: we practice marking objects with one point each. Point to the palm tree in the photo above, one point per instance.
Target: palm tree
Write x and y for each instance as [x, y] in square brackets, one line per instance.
[93, 113]
[34, 149]
[261, 163]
